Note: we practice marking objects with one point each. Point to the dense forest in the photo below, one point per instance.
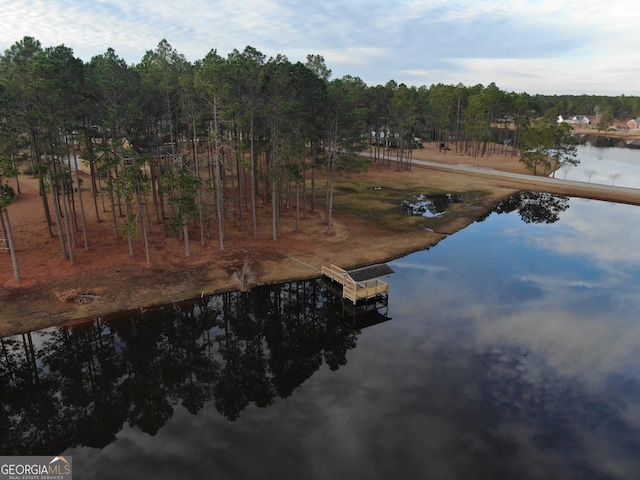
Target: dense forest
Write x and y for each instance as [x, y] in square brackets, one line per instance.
[197, 146]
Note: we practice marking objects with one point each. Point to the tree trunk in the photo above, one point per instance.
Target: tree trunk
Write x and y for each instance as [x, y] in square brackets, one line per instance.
[82, 215]
[252, 166]
[8, 233]
[92, 168]
[196, 163]
[218, 185]
[114, 217]
[330, 180]
[56, 205]
[145, 226]
[297, 205]
[313, 179]
[331, 174]
[239, 157]
[185, 230]
[45, 203]
[67, 227]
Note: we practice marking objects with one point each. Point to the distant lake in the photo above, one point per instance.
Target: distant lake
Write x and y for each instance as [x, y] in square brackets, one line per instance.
[606, 161]
[508, 351]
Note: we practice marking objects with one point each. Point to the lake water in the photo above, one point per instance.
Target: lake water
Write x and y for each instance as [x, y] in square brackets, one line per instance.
[623, 163]
[508, 351]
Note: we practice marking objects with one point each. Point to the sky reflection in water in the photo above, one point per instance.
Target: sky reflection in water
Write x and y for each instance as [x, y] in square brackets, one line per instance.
[550, 314]
[604, 162]
[512, 353]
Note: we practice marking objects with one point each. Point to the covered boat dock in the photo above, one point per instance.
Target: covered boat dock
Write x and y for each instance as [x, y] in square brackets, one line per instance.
[361, 284]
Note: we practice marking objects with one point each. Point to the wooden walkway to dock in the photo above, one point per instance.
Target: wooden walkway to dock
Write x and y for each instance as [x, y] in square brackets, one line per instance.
[361, 284]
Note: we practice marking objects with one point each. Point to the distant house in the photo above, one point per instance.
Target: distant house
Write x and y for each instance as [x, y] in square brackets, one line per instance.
[634, 123]
[574, 119]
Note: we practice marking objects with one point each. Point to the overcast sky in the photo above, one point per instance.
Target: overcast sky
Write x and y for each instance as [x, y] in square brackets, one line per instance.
[533, 46]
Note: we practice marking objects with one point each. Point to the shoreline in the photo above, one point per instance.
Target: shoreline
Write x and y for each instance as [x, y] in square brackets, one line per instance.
[365, 233]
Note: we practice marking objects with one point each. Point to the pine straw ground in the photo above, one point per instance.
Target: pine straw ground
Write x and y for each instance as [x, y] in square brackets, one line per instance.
[368, 227]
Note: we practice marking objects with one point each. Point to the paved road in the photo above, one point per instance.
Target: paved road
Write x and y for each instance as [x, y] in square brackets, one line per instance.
[528, 178]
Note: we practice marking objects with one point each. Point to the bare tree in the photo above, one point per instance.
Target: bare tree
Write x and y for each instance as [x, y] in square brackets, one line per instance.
[566, 168]
[590, 173]
[613, 177]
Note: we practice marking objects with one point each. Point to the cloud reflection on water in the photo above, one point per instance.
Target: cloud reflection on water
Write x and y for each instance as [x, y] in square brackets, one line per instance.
[512, 353]
[558, 308]
[573, 284]
[602, 233]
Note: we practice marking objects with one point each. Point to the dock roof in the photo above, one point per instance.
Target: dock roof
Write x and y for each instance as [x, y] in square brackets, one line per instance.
[370, 272]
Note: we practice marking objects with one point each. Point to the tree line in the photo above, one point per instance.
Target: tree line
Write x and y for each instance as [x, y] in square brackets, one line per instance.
[198, 146]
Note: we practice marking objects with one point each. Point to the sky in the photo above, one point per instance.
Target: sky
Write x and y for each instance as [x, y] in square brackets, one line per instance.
[534, 46]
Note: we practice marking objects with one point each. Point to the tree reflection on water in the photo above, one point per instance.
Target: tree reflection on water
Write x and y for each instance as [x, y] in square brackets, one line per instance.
[535, 207]
[78, 385]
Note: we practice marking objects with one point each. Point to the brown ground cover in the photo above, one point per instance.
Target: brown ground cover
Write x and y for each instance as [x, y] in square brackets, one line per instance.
[366, 229]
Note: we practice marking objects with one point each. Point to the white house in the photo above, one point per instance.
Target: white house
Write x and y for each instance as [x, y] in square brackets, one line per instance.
[574, 119]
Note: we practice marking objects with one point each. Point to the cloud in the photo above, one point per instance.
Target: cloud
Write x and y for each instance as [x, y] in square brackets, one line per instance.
[547, 46]
[359, 56]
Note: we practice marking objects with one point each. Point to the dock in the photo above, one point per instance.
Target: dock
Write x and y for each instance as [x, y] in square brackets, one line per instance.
[362, 284]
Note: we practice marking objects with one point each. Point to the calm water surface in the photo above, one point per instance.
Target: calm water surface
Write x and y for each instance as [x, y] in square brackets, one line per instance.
[511, 351]
[605, 162]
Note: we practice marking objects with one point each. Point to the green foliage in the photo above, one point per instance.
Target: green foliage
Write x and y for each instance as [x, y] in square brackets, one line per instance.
[606, 119]
[114, 86]
[132, 185]
[352, 163]
[7, 170]
[7, 196]
[547, 145]
[182, 188]
[621, 106]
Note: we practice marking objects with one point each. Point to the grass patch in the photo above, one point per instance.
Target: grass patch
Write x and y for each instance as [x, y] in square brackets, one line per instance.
[379, 200]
